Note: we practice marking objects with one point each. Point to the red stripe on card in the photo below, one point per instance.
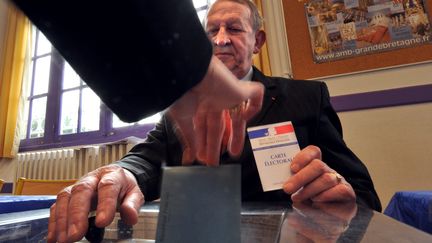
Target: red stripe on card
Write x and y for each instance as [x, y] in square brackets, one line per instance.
[284, 129]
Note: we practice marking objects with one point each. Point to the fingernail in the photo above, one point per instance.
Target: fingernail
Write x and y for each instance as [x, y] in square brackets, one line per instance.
[287, 187]
[101, 216]
[294, 168]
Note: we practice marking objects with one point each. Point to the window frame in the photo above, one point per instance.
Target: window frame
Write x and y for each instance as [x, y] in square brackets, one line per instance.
[52, 137]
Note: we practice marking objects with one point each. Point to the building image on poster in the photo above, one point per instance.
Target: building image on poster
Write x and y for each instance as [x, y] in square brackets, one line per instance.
[342, 29]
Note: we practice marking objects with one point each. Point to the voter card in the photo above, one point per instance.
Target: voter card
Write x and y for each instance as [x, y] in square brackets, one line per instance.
[273, 146]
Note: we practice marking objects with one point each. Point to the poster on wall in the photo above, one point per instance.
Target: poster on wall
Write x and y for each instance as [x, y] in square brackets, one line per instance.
[341, 29]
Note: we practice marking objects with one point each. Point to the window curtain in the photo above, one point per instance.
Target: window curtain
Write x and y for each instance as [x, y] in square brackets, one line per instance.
[12, 60]
[261, 60]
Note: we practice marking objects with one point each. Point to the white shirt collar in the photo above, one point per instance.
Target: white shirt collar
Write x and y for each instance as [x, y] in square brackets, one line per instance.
[248, 76]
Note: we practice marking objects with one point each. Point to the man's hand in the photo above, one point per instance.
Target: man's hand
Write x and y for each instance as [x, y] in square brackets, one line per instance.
[107, 189]
[198, 116]
[312, 179]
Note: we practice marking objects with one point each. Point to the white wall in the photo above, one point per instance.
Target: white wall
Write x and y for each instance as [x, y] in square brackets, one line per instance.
[395, 143]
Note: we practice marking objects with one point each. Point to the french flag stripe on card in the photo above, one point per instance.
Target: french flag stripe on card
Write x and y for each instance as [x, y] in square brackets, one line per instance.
[284, 129]
[258, 133]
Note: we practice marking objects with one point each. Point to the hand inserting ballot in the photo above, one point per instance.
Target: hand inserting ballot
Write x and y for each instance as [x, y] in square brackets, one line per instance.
[198, 116]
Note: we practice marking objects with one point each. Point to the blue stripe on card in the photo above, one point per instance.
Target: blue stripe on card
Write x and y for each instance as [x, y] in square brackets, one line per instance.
[275, 146]
[258, 133]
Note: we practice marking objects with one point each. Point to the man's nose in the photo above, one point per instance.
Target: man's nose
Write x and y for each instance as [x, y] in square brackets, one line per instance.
[221, 38]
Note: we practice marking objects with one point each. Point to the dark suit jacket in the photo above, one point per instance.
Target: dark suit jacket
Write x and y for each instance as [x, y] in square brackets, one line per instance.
[138, 56]
[305, 103]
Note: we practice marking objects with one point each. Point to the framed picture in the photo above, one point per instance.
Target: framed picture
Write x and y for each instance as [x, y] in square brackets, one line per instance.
[336, 37]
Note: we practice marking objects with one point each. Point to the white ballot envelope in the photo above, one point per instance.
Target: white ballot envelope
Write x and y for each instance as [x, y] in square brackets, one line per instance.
[273, 146]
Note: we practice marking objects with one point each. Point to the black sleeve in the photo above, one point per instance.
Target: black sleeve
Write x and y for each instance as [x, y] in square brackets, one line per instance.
[339, 157]
[146, 159]
[138, 56]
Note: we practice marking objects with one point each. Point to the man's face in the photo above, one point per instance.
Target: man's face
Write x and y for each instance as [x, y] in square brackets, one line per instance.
[230, 30]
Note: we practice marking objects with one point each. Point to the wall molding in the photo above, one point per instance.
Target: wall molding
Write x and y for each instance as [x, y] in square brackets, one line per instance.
[277, 42]
[383, 98]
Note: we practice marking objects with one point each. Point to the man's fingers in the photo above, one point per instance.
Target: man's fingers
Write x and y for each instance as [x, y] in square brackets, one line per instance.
[82, 194]
[239, 118]
[235, 146]
[198, 136]
[305, 176]
[256, 96]
[304, 157]
[109, 193]
[181, 115]
[188, 156]
[132, 201]
[61, 216]
[215, 129]
[51, 237]
[184, 130]
[118, 188]
[324, 182]
[129, 209]
[186, 135]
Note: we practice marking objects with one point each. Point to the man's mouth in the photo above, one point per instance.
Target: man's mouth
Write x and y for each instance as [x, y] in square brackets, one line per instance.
[223, 54]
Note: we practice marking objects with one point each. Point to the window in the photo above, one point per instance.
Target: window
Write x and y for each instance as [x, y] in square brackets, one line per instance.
[40, 67]
[61, 110]
[74, 94]
[201, 7]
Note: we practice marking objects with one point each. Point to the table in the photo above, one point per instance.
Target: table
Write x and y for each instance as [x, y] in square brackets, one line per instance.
[10, 204]
[413, 208]
[260, 222]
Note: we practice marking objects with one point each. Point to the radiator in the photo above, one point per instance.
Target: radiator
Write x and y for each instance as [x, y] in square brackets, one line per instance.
[68, 163]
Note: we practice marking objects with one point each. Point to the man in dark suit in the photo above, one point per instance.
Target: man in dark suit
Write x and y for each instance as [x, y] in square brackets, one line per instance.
[317, 127]
[325, 170]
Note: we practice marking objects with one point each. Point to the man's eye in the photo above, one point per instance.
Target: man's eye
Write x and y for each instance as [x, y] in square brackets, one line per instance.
[212, 31]
[235, 30]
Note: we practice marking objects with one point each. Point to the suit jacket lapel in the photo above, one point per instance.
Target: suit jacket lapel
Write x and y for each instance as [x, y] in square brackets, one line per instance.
[271, 94]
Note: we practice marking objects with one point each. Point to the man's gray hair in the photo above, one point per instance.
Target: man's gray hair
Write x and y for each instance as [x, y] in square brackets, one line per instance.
[256, 19]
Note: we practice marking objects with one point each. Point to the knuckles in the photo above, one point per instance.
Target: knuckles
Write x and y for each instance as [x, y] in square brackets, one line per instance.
[64, 193]
[81, 187]
[328, 178]
[319, 166]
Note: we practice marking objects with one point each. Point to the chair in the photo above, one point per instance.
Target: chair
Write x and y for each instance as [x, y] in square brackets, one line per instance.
[1, 184]
[26, 186]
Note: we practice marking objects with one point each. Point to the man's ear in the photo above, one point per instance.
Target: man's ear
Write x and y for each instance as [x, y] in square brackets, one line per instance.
[260, 38]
